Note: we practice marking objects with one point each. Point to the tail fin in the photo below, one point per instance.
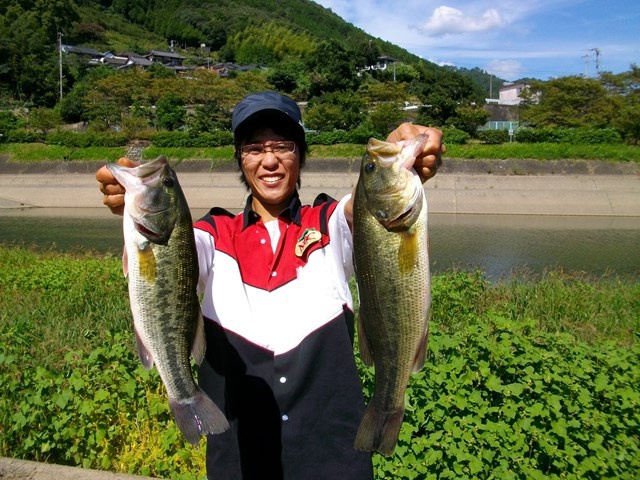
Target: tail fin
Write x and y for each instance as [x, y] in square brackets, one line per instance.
[199, 416]
[379, 430]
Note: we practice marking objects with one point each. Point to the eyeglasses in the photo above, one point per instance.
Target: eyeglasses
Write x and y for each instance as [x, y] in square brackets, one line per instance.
[257, 150]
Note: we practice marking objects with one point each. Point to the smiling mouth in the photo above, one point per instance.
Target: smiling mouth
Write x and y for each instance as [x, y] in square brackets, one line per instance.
[272, 178]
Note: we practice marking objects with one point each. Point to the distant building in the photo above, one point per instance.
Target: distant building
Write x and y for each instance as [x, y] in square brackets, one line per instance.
[382, 64]
[168, 59]
[510, 93]
[90, 53]
[504, 110]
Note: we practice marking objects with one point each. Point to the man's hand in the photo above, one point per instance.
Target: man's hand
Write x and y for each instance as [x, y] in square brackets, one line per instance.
[112, 190]
[430, 159]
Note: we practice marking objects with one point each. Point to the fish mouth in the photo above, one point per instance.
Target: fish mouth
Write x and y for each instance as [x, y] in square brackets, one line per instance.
[403, 220]
[153, 237]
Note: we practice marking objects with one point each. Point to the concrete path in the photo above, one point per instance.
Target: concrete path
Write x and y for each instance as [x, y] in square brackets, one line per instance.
[12, 469]
[602, 195]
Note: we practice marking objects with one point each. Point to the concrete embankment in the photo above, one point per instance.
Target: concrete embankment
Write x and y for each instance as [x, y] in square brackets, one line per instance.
[479, 187]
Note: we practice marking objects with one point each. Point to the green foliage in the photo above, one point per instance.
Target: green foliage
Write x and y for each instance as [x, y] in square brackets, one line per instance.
[507, 391]
[44, 119]
[544, 151]
[24, 136]
[386, 116]
[170, 112]
[269, 43]
[493, 137]
[85, 140]
[499, 399]
[569, 102]
[452, 135]
[185, 139]
[469, 118]
[8, 122]
[583, 135]
[334, 111]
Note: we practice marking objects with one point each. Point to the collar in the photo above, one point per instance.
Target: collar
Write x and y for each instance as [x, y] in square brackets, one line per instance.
[291, 212]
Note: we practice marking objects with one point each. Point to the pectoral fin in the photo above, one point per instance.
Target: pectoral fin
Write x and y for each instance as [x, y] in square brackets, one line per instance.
[145, 357]
[421, 354]
[147, 262]
[408, 252]
[365, 350]
[199, 347]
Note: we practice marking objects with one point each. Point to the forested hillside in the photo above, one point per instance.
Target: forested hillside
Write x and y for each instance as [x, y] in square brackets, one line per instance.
[228, 48]
[264, 32]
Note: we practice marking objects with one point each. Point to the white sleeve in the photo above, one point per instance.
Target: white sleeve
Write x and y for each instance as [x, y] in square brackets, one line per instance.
[205, 248]
[340, 233]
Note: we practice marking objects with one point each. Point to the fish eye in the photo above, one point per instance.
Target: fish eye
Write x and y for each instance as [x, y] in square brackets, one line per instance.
[369, 167]
[167, 182]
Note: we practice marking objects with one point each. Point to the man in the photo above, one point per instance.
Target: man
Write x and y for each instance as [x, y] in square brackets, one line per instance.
[277, 307]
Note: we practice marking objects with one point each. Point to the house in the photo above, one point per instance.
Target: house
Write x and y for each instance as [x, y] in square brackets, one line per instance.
[510, 93]
[111, 60]
[168, 59]
[135, 60]
[504, 111]
[91, 53]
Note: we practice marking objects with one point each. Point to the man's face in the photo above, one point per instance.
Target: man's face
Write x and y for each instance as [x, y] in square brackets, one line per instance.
[271, 176]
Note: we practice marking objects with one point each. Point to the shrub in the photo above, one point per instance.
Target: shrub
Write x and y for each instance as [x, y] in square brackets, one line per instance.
[186, 139]
[454, 135]
[588, 136]
[493, 137]
[86, 139]
[24, 136]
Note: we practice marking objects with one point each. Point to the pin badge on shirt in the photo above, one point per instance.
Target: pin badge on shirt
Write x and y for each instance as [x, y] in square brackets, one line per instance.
[308, 238]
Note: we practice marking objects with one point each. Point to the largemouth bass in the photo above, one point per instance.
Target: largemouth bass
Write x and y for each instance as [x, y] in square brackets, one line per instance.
[391, 256]
[160, 261]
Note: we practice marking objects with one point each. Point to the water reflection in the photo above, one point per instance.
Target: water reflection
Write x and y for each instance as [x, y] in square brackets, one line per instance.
[496, 244]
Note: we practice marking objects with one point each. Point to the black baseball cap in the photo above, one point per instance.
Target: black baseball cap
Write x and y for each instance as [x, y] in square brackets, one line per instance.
[263, 103]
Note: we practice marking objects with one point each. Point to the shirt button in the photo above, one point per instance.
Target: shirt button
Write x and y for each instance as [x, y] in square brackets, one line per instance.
[283, 379]
[273, 274]
[285, 418]
[263, 241]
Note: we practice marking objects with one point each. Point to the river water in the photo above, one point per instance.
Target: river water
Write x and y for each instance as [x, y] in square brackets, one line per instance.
[498, 245]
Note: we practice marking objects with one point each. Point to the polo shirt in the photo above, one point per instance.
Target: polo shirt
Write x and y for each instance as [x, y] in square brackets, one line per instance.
[279, 323]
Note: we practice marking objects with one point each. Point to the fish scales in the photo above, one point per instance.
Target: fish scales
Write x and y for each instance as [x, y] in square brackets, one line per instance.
[160, 261]
[392, 271]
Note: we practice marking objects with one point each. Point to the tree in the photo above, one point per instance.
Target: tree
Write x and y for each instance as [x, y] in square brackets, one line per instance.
[568, 102]
[385, 117]
[28, 63]
[209, 117]
[170, 112]
[335, 111]
[627, 87]
[331, 69]
[469, 118]
[44, 119]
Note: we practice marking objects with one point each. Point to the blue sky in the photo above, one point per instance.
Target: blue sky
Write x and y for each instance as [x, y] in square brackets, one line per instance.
[510, 38]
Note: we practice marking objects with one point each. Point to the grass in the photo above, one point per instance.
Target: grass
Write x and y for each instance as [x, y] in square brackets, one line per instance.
[222, 155]
[77, 298]
[530, 378]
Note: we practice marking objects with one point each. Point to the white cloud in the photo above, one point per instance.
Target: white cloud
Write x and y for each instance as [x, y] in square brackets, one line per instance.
[507, 69]
[449, 21]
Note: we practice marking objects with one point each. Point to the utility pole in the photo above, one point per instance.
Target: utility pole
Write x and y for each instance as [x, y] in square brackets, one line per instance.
[60, 35]
[586, 57]
[491, 85]
[597, 52]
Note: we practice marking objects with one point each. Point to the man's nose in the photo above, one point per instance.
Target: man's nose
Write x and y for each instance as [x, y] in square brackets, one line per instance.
[269, 158]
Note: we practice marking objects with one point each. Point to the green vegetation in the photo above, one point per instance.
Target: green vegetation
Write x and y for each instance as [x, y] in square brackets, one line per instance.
[296, 47]
[343, 151]
[531, 378]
